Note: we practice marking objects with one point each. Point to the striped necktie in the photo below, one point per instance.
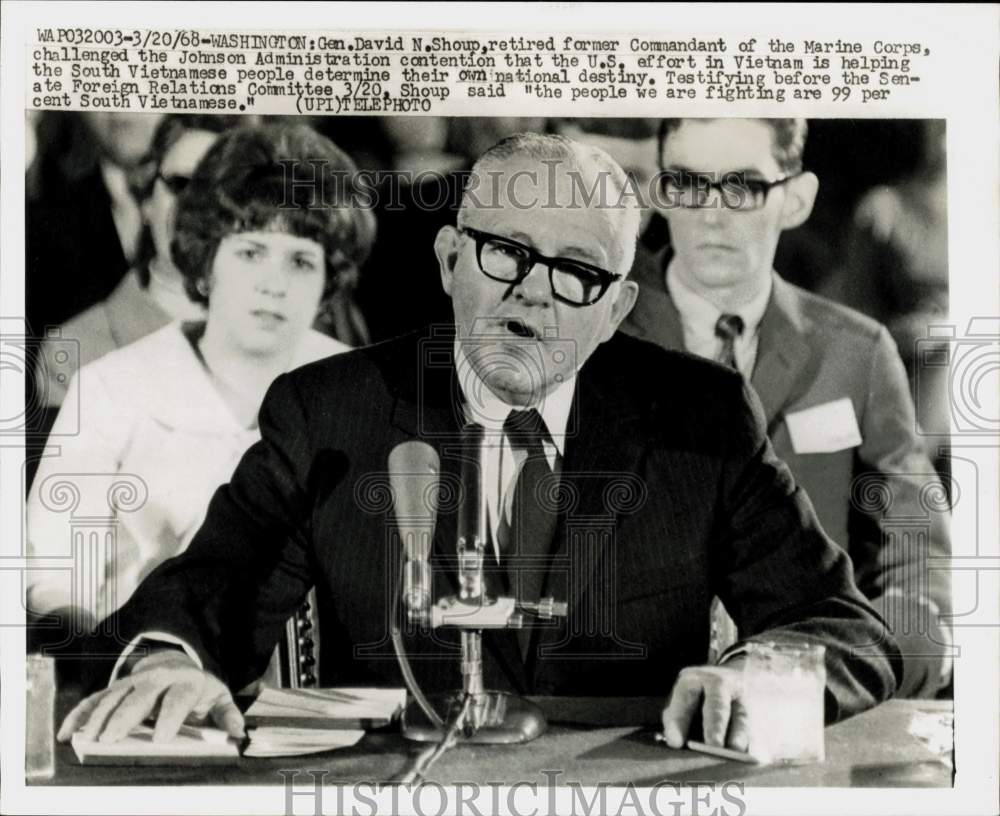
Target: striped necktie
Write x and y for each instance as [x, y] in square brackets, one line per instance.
[728, 327]
[526, 537]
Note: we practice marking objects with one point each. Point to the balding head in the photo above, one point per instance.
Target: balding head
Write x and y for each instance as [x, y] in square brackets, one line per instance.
[510, 172]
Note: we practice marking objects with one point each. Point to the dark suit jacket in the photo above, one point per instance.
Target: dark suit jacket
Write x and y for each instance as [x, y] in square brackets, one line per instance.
[670, 494]
[73, 255]
[882, 500]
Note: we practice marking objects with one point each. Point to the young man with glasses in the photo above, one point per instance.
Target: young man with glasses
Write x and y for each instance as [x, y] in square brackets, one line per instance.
[831, 381]
[629, 482]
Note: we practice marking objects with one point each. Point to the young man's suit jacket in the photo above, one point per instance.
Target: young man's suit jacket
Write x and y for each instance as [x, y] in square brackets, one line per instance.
[880, 499]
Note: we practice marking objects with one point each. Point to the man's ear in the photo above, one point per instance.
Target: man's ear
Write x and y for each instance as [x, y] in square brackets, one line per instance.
[628, 293]
[446, 249]
[800, 195]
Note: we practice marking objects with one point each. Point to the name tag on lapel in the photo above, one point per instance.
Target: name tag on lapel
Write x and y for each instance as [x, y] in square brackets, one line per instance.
[825, 428]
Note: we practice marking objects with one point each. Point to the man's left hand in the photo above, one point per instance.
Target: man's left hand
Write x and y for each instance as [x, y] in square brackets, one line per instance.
[719, 692]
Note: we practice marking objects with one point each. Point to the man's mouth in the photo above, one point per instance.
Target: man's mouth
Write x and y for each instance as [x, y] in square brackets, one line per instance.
[521, 329]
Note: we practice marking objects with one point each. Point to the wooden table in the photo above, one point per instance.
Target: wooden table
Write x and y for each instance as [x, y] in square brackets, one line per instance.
[589, 741]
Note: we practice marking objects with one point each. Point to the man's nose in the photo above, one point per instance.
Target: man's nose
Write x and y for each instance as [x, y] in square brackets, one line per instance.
[534, 287]
[712, 211]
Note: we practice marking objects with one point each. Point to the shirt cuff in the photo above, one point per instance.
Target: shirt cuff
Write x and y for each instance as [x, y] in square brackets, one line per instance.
[154, 637]
[736, 650]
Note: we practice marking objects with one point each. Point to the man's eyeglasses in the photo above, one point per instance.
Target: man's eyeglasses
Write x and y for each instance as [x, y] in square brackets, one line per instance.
[176, 184]
[683, 188]
[573, 282]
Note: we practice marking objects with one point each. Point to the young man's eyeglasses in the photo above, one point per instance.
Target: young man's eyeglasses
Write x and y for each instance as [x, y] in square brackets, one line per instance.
[176, 184]
[734, 191]
[573, 282]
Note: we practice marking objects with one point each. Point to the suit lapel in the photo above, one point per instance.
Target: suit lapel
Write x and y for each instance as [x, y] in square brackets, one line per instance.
[131, 313]
[783, 351]
[429, 407]
[655, 317]
[598, 467]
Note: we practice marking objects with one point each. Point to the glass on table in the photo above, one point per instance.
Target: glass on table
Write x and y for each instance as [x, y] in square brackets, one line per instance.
[784, 685]
[39, 747]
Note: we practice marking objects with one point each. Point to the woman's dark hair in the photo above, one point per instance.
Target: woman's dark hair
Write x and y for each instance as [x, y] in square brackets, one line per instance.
[281, 177]
[166, 135]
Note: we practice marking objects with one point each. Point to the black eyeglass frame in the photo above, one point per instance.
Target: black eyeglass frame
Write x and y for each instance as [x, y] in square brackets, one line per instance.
[532, 257]
[763, 187]
[170, 182]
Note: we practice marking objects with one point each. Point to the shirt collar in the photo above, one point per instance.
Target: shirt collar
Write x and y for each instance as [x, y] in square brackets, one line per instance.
[702, 314]
[488, 410]
[167, 372]
[116, 183]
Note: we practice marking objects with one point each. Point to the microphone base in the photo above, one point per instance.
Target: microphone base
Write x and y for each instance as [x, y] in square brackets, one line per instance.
[495, 718]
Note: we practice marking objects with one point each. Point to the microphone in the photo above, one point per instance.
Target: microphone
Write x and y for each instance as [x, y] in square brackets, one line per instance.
[472, 515]
[477, 714]
[414, 471]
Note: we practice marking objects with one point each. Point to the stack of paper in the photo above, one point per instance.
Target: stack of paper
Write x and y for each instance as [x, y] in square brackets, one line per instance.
[276, 742]
[193, 745]
[281, 722]
[341, 708]
[288, 722]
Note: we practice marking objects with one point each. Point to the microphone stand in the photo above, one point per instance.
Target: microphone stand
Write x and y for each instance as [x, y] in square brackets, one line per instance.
[476, 714]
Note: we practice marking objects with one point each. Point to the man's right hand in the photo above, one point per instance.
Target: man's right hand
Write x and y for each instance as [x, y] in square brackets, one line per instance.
[168, 684]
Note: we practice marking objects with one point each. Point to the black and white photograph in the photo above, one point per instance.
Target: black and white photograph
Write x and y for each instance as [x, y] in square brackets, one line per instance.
[380, 454]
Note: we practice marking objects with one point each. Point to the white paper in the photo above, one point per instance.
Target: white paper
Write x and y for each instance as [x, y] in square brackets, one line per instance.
[825, 428]
[273, 742]
[190, 741]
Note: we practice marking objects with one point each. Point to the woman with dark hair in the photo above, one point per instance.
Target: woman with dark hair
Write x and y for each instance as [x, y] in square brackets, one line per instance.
[268, 226]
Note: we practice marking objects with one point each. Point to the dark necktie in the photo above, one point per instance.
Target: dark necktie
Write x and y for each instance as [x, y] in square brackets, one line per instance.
[526, 538]
[722, 632]
[728, 327]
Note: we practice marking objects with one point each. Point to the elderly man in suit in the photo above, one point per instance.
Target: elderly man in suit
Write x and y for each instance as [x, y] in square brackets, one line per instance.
[831, 381]
[668, 493]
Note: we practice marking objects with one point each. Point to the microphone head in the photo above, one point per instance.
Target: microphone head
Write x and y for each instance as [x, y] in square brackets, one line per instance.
[413, 456]
[414, 471]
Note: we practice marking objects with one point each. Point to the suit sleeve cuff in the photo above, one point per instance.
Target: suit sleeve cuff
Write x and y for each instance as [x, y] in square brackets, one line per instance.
[160, 638]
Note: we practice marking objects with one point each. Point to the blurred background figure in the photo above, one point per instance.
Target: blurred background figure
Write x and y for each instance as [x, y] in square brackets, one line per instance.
[896, 270]
[151, 293]
[175, 410]
[83, 220]
[31, 118]
[420, 144]
[630, 142]
[896, 265]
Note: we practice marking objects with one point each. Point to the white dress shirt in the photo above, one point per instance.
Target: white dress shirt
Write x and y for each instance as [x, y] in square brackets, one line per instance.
[501, 463]
[699, 316]
[125, 210]
[141, 444]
